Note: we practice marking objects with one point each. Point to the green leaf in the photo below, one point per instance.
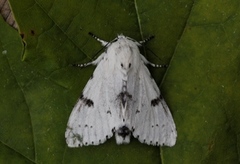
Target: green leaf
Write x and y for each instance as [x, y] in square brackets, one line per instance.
[202, 84]
[199, 40]
[15, 125]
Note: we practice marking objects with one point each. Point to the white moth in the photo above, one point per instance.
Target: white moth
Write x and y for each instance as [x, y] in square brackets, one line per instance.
[122, 98]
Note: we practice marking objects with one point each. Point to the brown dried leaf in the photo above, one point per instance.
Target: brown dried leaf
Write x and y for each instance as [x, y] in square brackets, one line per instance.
[7, 14]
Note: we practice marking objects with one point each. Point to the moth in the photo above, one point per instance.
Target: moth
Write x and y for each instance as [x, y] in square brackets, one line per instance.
[121, 98]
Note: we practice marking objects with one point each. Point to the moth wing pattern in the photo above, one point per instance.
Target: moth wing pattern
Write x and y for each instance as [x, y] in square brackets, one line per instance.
[121, 98]
[92, 120]
[151, 120]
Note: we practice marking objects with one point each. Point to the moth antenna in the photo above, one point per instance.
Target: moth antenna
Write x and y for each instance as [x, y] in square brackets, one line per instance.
[146, 40]
[81, 65]
[104, 43]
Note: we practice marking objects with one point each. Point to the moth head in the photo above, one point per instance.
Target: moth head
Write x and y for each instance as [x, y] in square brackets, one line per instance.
[125, 58]
[125, 51]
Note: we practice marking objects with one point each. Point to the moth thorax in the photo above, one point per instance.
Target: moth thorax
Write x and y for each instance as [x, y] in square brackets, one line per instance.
[124, 86]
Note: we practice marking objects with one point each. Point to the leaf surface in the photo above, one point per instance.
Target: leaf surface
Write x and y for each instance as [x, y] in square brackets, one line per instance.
[198, 39]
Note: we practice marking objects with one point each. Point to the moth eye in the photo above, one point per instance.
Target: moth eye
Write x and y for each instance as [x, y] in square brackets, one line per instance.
[121, 64]
[130, 64]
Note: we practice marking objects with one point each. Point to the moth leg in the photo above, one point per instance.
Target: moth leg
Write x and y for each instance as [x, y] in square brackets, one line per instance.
[152, 64]
[95, 62]
[157, 65]
[83, 64]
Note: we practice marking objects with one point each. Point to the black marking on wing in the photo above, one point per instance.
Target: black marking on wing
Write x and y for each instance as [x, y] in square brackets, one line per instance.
[113, 130]
[124, 96]
[91, 77]
[161, 97]
[87, 101]
[133, 129]
[137, 111]
[78, 137]
[156, 101]
[123, 131]
[81, 96]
